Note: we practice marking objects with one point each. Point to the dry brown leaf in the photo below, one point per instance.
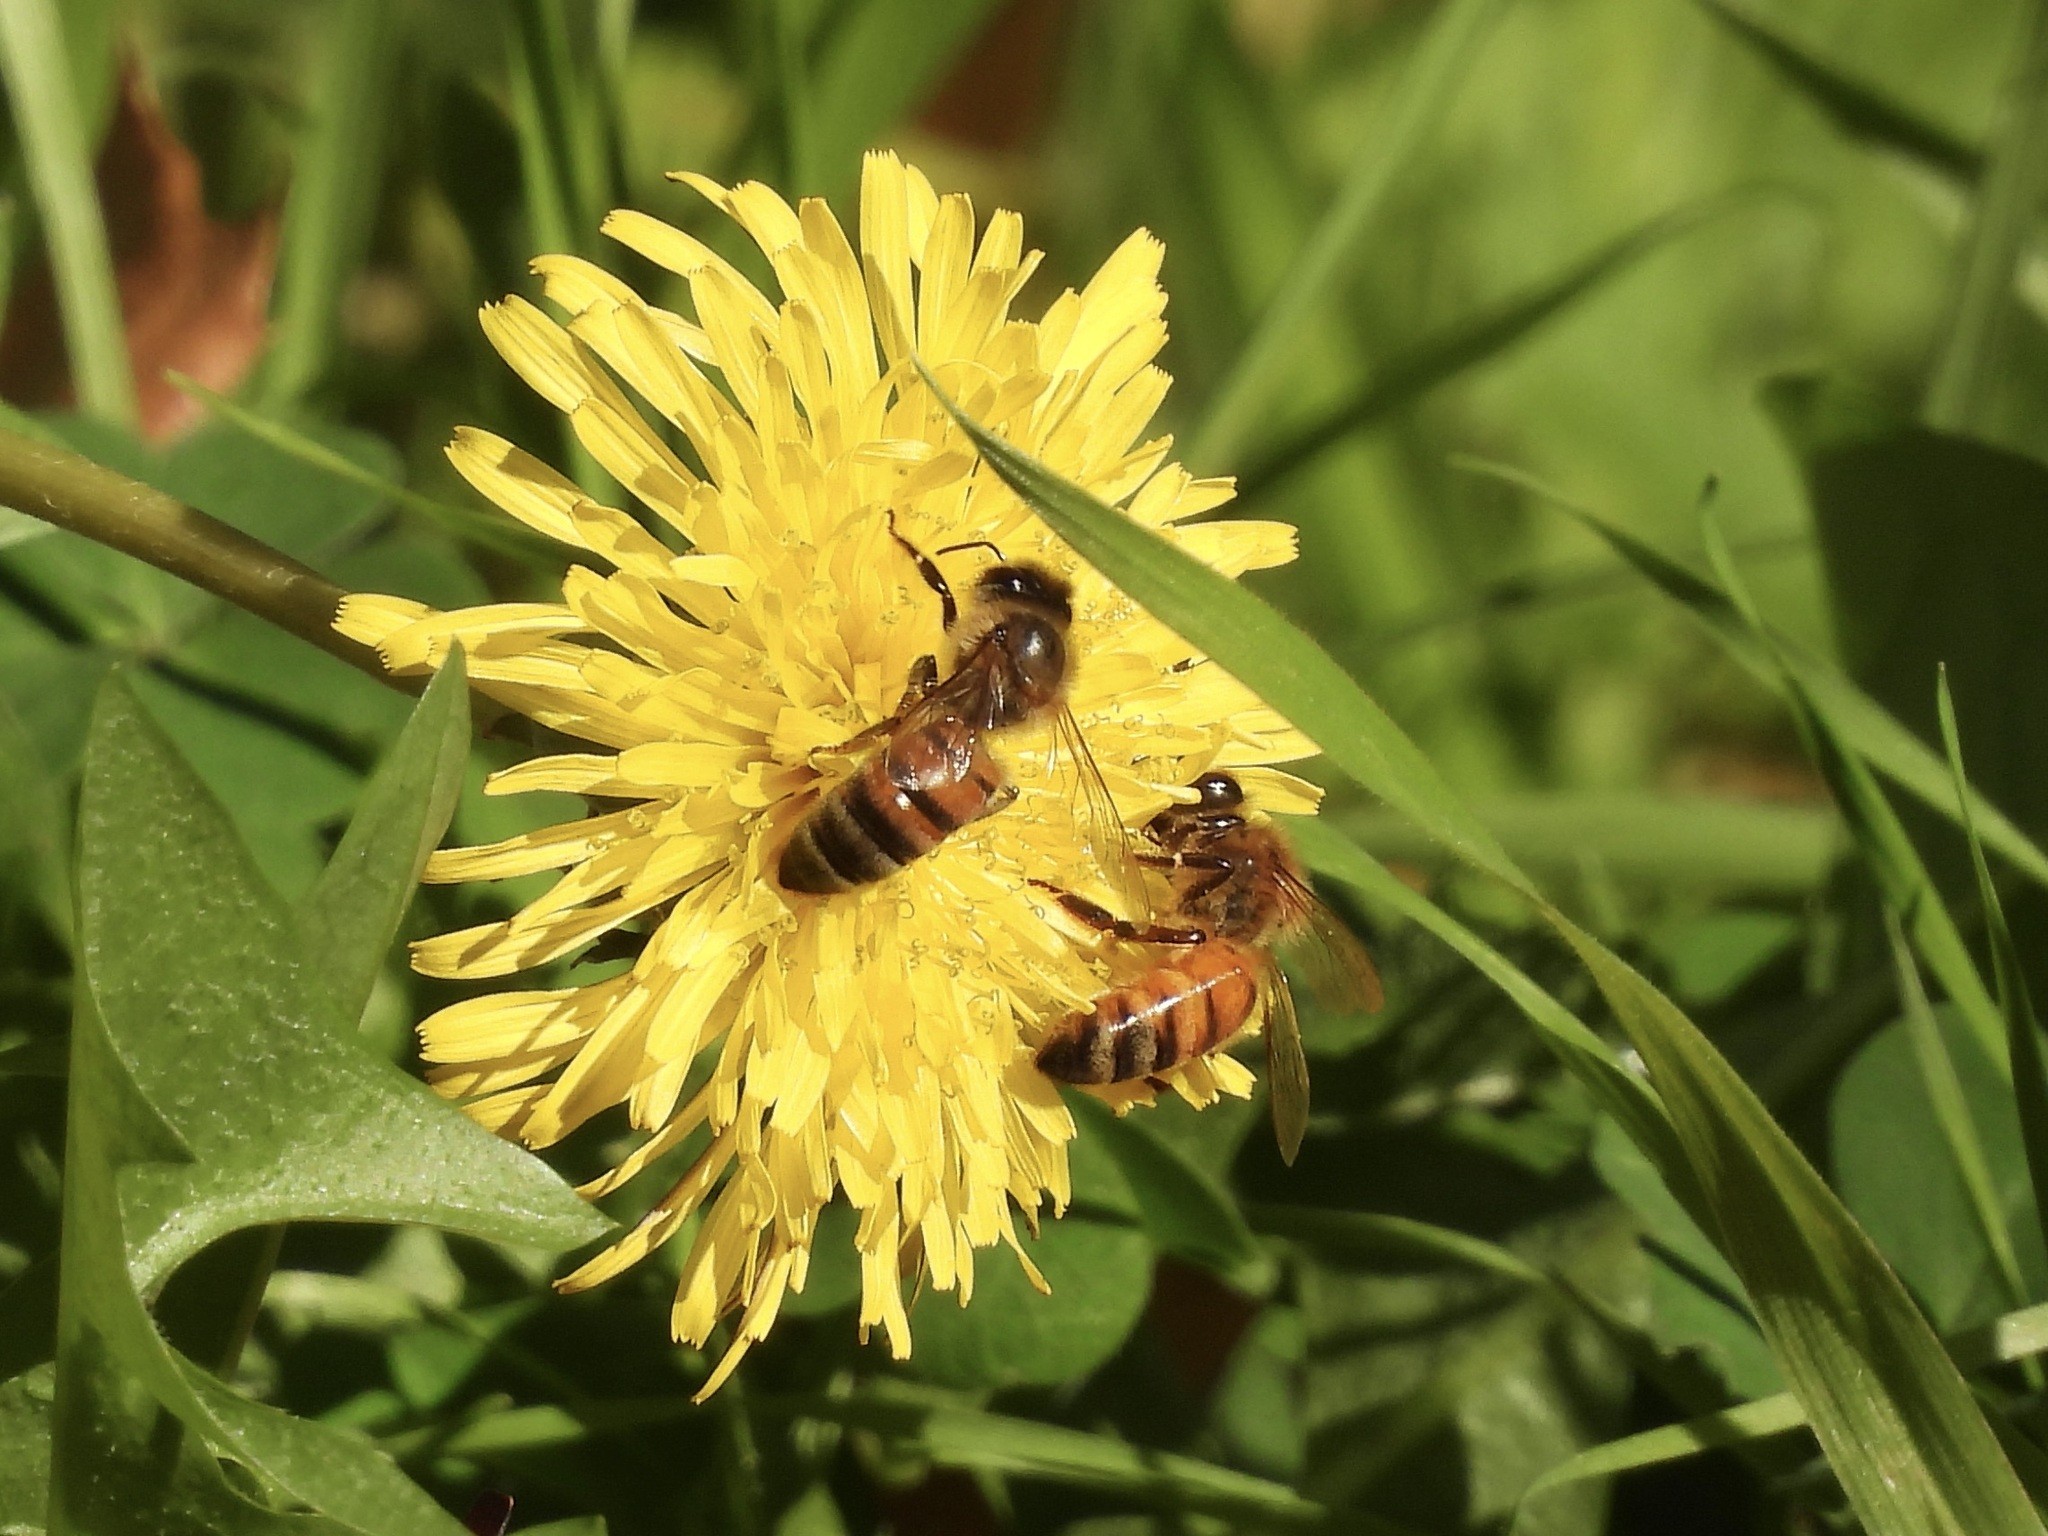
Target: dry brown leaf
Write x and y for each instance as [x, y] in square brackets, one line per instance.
[195, 292]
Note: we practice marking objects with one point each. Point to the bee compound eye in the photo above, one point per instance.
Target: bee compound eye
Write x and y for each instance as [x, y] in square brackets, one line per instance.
[1219, 792]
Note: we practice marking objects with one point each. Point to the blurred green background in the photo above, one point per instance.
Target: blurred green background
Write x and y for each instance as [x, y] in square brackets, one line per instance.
[1489, 257]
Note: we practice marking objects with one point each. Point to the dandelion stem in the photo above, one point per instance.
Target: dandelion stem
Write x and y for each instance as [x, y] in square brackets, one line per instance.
[75, 494]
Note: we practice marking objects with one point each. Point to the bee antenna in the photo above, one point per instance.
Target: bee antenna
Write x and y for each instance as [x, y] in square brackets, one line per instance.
[987, 544]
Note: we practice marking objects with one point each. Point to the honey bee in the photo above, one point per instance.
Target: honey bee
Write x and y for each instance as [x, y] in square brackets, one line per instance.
[933, 774]
[1239, 893]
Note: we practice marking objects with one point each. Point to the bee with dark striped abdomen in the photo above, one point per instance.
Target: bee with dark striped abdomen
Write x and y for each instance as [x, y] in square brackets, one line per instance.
[934, 775]
[1239, 893]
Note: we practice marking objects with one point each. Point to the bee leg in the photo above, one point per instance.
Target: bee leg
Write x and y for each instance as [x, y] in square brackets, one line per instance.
[949, 611]
[924, 677]
[1102, 920]
[1004, 797]
[1216, 868]
[1158, 1084]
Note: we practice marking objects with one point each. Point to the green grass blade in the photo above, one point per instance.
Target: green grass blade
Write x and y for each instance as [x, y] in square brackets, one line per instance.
[875, 61]
[1864, 724]
[2016, 1336]
[1430, 81]
[1860, 110]
[336, 178]
[787, 48]
[40, 84]
[2029, 1055]
[1896, 1419]
[1689, 840]
[1369, 1235]
[1470, 344]
[1623, 1094]
[564, 197]
[1731, 1427]
[971, 1440]
[2008, 200]
[483, 528]
[1902, 879]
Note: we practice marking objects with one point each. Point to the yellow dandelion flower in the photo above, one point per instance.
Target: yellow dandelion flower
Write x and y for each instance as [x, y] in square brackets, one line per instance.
[717, 658]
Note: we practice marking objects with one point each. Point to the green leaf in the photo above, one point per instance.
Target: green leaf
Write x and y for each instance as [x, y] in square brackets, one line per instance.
[195, 994]
[1184, 1210]
[1696, 1299]
[1898, 1423]
[1860, 110]
[1010, 1335]
[1898, 1175]
[1428, 86]
[2026, 1052]
[353, 910]
[1935, 548]
[25, 1449]
[1469, 344]
[1864, 723]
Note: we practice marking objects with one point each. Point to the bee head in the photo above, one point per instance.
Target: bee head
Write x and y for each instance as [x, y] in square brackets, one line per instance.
[1028, 610]
[1220, 806]
[1009, 589]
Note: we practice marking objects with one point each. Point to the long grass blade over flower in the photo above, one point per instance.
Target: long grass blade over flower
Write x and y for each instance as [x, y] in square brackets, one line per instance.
[718, 648]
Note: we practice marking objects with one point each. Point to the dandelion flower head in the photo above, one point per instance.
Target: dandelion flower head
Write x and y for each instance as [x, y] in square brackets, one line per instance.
[714, 657]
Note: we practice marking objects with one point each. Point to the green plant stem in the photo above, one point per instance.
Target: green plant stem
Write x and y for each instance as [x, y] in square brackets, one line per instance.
[1966, 364]
[77, 495]
[40, 84]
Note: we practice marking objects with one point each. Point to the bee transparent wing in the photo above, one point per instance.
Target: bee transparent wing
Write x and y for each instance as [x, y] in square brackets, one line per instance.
[1102, 826]
[1329, 955]
[1286, 1066]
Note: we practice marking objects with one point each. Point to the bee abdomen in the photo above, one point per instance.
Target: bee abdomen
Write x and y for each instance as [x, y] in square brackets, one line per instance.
[1181, 1009]
[899, 805]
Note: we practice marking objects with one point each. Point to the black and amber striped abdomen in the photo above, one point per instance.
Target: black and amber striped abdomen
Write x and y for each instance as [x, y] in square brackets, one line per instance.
[897, 806]
[1185, 1006]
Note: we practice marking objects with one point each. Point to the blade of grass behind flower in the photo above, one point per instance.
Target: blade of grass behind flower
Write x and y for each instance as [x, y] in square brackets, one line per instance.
[1908, 891]
[2001, 222]
[336, 176]
[2023, 1029]
[1471, 343]
[1429, 82]
[1858, 109]
[1864, 724]
[41, 87]
[1897, 1421]
[564, 198]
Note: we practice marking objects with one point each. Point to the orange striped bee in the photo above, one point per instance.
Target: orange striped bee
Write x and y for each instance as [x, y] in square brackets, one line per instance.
[1239, 892]
[934, 774]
